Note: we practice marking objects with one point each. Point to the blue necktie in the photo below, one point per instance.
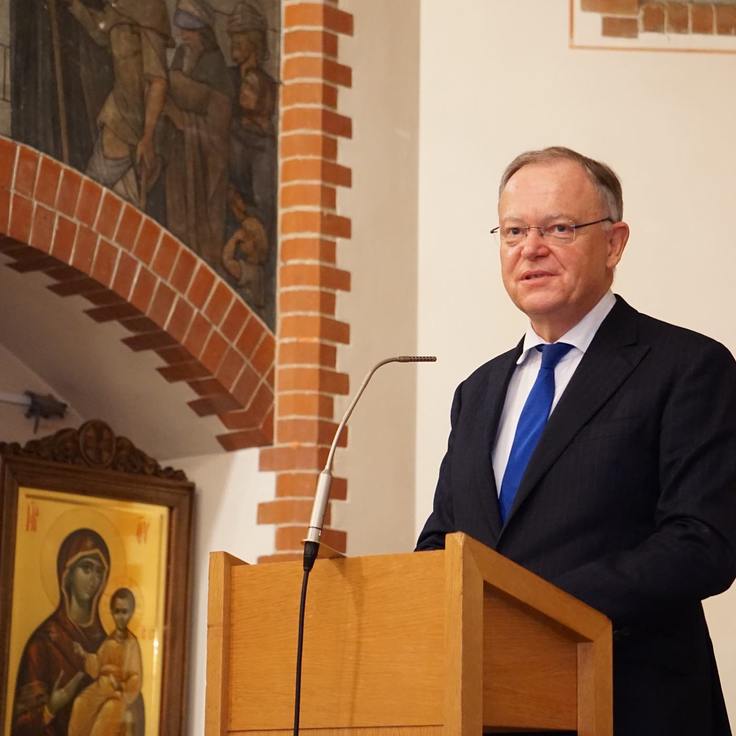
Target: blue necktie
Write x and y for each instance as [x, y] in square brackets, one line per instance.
[531, 424]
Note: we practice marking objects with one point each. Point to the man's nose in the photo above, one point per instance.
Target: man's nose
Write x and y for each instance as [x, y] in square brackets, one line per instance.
[534, 243]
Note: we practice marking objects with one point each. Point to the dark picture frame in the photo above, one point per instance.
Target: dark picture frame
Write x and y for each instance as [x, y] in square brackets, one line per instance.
[92, 462]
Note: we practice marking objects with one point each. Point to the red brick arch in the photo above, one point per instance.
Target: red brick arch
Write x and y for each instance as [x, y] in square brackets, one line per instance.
[92, 243]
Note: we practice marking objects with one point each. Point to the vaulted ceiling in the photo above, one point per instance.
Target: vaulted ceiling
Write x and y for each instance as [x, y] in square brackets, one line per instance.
[87, 366]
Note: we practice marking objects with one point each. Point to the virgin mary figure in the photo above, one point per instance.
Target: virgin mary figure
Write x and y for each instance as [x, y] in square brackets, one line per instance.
[51, 672]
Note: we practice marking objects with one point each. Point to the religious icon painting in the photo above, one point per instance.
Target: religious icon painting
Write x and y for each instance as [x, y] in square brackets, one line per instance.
[93, 619]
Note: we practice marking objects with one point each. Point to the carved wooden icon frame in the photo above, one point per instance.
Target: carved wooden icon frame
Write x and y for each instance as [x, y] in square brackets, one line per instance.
[79, 495]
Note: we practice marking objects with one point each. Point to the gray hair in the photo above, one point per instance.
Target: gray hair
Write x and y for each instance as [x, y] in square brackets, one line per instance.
[603, 176]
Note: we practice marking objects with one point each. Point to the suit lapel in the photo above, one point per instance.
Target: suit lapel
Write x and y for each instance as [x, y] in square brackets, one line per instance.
[612, 356]
[491, 409]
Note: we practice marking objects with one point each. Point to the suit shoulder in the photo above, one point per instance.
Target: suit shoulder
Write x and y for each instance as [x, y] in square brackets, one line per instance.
[680, 339]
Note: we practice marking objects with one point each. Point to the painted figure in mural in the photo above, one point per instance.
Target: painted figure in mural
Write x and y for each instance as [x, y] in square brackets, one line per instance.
[112, 704]
[60, 78]
[246, 252]
[136, 32]
[196, 141]
[253, 134]
[51, 672]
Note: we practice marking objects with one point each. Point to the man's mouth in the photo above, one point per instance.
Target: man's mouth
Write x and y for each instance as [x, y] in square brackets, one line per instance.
[531, 275]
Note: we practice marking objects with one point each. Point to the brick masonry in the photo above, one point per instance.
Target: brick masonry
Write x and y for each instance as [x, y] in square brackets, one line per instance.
[274, 392]
[89, 242]
[308, 330]
[629, 18]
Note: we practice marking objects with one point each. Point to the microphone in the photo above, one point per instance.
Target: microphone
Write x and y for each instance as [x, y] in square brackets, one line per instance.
[322, 494]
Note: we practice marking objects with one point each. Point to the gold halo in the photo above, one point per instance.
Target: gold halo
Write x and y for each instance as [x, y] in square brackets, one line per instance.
[82, 517]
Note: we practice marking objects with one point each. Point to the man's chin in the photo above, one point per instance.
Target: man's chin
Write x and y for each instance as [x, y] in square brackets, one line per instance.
[540, 304]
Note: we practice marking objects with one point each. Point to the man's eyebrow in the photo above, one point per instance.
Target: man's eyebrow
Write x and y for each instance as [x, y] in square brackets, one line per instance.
[546, 218]
[558, 215]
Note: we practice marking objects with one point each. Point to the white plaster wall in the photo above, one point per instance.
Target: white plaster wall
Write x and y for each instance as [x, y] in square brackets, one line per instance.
[229, 488]
[497, 78]
[381, 307]
[16, 378]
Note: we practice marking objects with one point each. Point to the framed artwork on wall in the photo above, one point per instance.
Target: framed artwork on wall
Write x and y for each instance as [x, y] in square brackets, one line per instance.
[645, 25]
[94, 562]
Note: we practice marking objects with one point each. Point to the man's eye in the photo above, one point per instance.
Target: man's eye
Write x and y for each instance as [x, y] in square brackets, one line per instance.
[512, 231]
[560, 228]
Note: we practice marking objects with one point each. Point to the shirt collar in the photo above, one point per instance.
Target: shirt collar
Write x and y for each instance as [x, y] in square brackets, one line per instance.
[580, 336]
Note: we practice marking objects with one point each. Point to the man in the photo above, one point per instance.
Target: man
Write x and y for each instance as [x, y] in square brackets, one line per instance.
[196, 143]
[253, 161]
[137, 34]
[626, 496]
[253, 131]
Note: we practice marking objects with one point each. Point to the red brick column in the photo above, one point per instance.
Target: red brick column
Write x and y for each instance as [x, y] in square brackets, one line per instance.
[308, 332]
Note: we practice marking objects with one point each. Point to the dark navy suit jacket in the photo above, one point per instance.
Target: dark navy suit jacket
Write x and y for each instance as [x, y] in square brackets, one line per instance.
[628, 503]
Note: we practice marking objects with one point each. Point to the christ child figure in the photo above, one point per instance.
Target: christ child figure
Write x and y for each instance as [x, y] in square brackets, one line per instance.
[102, 708]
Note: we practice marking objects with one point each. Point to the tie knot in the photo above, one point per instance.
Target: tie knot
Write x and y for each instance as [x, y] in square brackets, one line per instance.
[553, 353]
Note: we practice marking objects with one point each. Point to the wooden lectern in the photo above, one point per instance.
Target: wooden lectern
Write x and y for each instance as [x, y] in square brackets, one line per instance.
[453, 642]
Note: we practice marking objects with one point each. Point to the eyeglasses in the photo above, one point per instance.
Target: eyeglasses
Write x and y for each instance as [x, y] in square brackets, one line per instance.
[560, 232]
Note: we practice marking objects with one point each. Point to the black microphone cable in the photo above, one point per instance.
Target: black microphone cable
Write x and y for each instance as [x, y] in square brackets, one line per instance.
[311, 550]
[314, 532]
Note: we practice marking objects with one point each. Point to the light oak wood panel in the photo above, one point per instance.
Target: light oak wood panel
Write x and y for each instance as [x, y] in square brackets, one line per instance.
[584, 622]
[595, 685]
[529, 668]
[388, 731]
[373, 646]
[547, 656]
[464, 644]
[430, 643]
[218, 642]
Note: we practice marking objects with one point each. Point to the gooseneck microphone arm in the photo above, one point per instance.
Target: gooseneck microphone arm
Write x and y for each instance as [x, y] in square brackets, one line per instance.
[322, 494]
[314, 533]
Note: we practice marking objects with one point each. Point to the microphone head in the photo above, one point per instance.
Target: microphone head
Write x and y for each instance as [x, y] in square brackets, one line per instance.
[417, 358]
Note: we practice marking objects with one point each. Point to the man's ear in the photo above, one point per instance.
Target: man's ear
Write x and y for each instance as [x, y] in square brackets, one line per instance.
[617, 239]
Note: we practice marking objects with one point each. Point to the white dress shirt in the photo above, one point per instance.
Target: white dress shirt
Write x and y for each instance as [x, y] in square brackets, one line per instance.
[527, 367]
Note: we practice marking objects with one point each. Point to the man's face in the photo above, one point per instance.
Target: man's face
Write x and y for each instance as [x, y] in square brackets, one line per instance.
[190, 38]
[557, 285]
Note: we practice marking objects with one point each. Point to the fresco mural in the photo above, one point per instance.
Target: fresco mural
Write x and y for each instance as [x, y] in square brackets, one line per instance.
[172, 104]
